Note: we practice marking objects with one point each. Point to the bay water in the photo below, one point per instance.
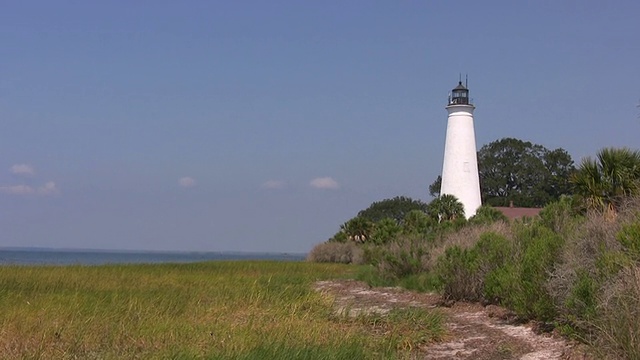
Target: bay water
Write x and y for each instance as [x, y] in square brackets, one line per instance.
[24, 256]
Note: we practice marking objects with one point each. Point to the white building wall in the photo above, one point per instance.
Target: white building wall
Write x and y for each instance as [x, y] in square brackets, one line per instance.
[460, 168]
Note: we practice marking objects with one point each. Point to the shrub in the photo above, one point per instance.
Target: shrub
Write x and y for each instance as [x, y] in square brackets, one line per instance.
[462, 273]
[600, 248]
[417, 223]
[619, 310]
[560, 216]
[537, 251]
[629, 237]
[465, 238]
[336, 252]
[590, 256]
[340, 237]
[402, 257]
[385, 231]
[486, 215]
[457, 274]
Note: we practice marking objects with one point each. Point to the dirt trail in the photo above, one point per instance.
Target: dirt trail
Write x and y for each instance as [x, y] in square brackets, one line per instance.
[475, 332]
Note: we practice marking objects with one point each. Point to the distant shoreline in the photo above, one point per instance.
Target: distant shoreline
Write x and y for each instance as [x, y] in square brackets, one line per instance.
[46, 256]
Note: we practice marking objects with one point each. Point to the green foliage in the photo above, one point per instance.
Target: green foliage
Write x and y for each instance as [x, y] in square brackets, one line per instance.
[339, 237]
[494, 270]
[403, 257]
[616, 322]
[521, 283]
[417, 222]
[629, 237]
[540, 248]
[385, 231]
[358, 229]
[434, 188]
[457, 274]
[396, 208]
[446, 208]
[602, 183]
[560, 216]
[582, 300]
[528, 174]
[486, 214]
[463, 273]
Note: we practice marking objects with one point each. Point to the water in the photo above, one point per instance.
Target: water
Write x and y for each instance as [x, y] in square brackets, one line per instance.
[97, 257]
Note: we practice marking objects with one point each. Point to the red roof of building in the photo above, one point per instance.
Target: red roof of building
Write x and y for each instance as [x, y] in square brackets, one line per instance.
[518, 212]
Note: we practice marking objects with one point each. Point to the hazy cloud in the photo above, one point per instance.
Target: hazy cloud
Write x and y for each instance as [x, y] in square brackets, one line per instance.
[273, 184]
[49, 188]
[187, 182]
[23, 169]
[17, 189]
[324, 183]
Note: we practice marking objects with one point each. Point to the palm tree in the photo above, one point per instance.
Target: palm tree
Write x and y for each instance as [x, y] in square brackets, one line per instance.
[603, 182]
[358, 229]
[446, 208]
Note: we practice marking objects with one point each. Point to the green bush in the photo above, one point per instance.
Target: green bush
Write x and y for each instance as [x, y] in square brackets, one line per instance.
[417, 223]
[385, 231]
[486, 215]
[462, 273]
[629, 237]
[582, 302]
[457, 274]
[402, 257]
[539, 249]
[561, 216]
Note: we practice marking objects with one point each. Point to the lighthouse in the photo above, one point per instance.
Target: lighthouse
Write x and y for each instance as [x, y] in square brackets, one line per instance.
[460, 167]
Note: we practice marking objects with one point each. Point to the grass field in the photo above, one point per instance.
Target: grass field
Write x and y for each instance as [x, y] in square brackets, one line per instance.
[215, 310]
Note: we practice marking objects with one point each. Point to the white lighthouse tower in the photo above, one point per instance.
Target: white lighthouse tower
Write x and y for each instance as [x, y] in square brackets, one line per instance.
[460, 168]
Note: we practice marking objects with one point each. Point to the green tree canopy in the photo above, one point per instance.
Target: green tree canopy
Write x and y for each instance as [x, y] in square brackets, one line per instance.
[396, 209]
[528, 174]
[434, 188]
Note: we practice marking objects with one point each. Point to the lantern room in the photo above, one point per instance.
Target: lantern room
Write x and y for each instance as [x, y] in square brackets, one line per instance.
[459, 95]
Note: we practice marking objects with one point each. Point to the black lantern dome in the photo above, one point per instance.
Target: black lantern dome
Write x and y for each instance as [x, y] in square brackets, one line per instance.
[459, 95]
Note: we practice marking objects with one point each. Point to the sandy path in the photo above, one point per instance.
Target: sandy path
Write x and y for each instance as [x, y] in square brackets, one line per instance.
[475, 332]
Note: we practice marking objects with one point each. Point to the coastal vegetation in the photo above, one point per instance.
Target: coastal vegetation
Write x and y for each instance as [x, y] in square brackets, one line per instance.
[214, 310]
[574, 268]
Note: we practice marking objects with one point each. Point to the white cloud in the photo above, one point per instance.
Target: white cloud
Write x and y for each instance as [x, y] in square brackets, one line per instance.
[49, 188]
[23, 169]
[324, 183]
[187, 182]
[273, 184]
[17, 189]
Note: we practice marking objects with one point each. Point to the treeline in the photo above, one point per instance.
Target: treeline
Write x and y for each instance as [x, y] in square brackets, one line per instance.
[574, 268]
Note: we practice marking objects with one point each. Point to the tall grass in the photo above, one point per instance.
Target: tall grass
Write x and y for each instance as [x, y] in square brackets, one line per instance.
[218, 310]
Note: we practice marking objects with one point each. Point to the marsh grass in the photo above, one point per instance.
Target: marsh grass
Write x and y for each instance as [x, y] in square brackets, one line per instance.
[217, 310]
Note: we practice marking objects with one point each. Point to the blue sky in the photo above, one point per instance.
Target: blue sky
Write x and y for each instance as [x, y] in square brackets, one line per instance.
[262, 126]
